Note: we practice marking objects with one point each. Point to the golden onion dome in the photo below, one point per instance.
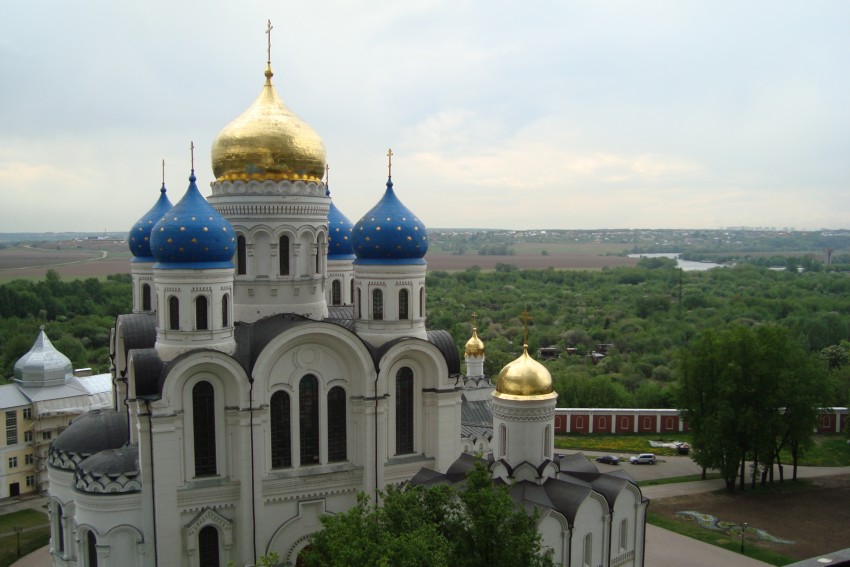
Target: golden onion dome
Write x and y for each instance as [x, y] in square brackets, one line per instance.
[474, 346]
[524, 377]
[268, 142]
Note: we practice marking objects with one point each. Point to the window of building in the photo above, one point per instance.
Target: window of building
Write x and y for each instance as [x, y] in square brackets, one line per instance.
[404, 411]
[337, 443]
[146, 297]
[27, 436]
[201, 313]
[624, 534]
[503, 440]
[351, 291]
[46, 435]
[241, 256]
[336, 293]
[31, 480]
[13, 462]
[173, 313]
[284, 255]
[318, 255]
[308, 419]
[225, 315]
[27, 413]
[60, 545]
[208, 552]
[203, 426]
[547, 442]
[402, 304]
[359, 306]
[587, 560]
[29, 459]
[281, 435]
[12, 427]
[91, 549]
[421, 301]
[377, 304]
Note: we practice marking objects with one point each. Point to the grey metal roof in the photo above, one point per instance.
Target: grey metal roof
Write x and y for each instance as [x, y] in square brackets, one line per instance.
[478, 413]
[43, 365]
[147, 372]
[444, 341]
[138, 331]
[93, 432]
[11, 397]
[342, 315]
[113, 461]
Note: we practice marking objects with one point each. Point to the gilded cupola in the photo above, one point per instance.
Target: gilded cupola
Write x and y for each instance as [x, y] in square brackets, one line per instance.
[474, 346]
[268, 142]
[524, 378]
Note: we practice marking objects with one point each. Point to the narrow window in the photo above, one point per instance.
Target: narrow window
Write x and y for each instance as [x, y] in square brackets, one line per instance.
[225, 306]
[377, 305]
[547, 442]
[281, 434]
[503, 441]
[203, 422]
[308, 419]
[588, 550]
[402, 305]
[12, 427]
[337, 443]
[421, 301]
[146, 297]
[351, 291]
[60, 533]
[173, 313]
[359, 305]
[201, 313]
[336, 293]
[624, 534]
[283, 253]
[404, 411]
[319, 255]
[241, 256]
[91, 548]
[208, 554]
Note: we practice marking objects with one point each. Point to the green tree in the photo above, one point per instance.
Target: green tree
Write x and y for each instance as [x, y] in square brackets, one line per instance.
[441, 525]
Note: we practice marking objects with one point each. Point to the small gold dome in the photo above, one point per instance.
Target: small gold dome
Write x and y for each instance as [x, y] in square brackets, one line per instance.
[268, 142]
[474, 346]
[524, 377]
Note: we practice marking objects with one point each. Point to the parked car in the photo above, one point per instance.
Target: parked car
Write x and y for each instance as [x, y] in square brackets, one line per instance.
[643, 459]
[608, 460]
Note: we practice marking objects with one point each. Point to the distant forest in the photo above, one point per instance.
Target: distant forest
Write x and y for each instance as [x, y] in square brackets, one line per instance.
[634, 318]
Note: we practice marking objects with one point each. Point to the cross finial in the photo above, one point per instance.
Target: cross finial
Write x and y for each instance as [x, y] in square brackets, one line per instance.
[525, 318]
[269, 28]
[327, 174]
[474, 320]
[192, 152]
[163, 172]
[390, 161]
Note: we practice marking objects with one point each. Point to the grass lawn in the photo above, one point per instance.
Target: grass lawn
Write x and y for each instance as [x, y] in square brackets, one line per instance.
[37, 534]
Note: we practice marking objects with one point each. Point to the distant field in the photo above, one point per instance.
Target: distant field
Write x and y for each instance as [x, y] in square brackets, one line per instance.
[71, 260]
[557, 260]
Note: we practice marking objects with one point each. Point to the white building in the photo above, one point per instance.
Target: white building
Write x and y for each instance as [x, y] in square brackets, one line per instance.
[275, 365]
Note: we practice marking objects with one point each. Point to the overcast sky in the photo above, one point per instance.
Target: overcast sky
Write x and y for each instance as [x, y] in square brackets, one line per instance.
[650, 114]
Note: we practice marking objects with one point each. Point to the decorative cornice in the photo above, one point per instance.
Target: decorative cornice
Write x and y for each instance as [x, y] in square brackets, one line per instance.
[224, 188]
[528, 414]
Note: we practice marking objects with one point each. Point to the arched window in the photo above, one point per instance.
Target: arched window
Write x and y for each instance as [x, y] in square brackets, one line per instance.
[351, 291]
[201, 313]
[359, 305]
[283, 253]
[318, 254]
[241, 256]
[225, 315]
[503, 441]
[587, 560]
[336, 293]
[421, 301]
[91, 549]
[547, 442]
[337, 443]
[60, 531]
[203, 425]
[146, 297]
[402, 304]
[173, 313]
[404, 411]
[308, 419]
[280, 430]
[624, 534]
[208, 554]
[377, 304]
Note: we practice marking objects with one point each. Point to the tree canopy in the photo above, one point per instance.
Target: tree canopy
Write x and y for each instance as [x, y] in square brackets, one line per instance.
[476, 524]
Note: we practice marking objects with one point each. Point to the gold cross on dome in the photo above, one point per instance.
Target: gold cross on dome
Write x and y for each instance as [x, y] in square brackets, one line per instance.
[269, 28]
[525, 318]
[390, 161]
[474, 319]
[327, 173]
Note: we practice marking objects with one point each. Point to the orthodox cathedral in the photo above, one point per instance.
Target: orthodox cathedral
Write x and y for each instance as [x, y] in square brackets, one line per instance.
[277, 363]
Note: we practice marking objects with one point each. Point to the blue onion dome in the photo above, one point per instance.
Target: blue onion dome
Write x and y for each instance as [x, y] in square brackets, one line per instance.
[390, 233]
[193, 235]
[140, 234]
[339, 234]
